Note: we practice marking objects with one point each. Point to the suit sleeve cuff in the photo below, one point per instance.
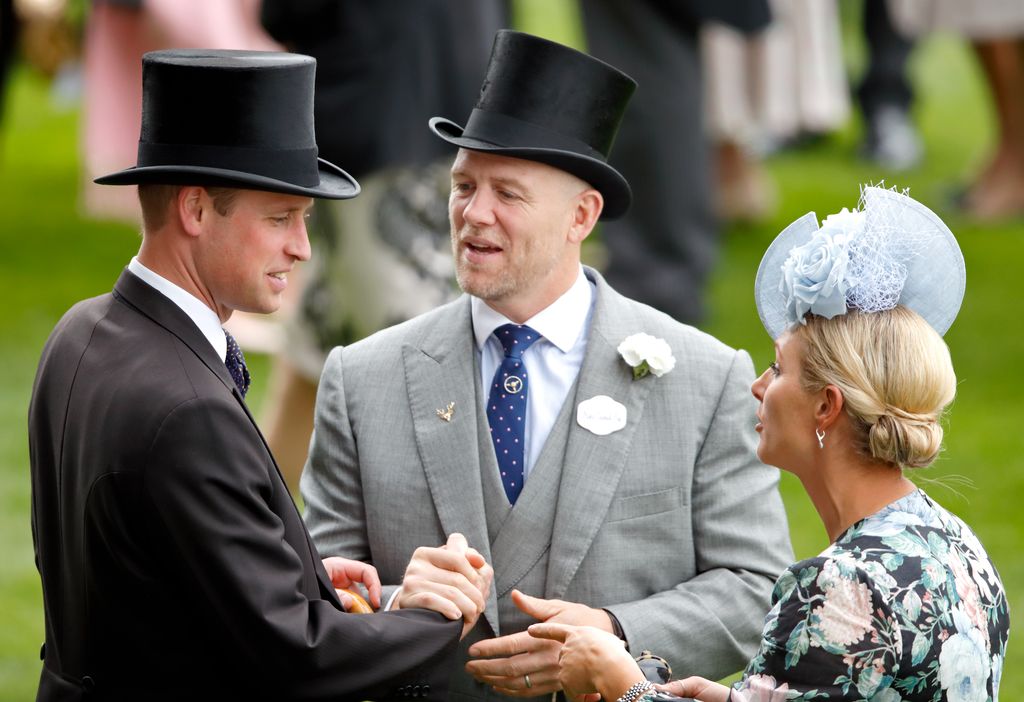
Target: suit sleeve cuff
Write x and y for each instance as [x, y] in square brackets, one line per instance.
[617, 627]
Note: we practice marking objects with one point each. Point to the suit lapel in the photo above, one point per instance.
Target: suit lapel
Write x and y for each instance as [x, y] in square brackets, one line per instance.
[594, 464]
[168, 315]
[443, 369]
[157, 307]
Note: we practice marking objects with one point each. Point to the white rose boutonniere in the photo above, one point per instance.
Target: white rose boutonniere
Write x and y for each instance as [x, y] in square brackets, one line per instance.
[647, 354]
[814, 277]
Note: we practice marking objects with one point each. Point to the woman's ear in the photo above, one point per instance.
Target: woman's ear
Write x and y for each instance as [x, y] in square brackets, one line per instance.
[829, 407]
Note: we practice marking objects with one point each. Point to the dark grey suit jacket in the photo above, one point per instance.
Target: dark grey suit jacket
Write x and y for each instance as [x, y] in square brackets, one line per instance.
[173, 561]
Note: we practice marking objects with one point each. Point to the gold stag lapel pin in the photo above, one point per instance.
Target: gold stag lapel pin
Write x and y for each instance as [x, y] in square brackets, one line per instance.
[446, 413]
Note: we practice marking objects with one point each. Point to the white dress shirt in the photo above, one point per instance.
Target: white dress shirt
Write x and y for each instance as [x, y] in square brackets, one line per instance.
[553, 361]
[203, 317]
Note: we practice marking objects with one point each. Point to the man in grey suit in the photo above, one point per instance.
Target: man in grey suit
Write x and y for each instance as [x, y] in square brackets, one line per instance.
[516, 416]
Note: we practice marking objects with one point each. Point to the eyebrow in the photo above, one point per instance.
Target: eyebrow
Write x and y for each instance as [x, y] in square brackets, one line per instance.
[507, 181]
[304, 209]
[513, 182]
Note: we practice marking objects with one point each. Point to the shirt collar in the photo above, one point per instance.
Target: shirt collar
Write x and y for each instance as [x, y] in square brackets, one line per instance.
[203, 317]
[561, 322]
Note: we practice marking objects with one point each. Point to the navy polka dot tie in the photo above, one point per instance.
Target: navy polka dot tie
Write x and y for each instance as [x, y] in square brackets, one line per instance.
[506, 406]
[235, 362]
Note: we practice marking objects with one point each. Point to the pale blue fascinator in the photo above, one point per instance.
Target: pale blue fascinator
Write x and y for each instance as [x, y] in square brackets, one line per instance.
[890, 251]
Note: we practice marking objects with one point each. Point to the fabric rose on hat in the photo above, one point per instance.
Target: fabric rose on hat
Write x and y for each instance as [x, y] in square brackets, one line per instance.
[814, 277]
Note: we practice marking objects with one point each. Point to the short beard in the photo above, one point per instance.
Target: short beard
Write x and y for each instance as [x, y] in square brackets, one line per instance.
[507, 284]
[487, 290]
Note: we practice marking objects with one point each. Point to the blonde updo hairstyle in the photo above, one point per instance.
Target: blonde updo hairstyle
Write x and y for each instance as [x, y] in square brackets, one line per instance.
[895, 374]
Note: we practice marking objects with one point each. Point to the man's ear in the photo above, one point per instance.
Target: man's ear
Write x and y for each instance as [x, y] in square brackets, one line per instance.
[588, 206]
[829, 407]
[192, 207]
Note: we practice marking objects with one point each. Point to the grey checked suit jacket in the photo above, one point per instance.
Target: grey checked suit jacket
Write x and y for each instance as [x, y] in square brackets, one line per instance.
[671, 523]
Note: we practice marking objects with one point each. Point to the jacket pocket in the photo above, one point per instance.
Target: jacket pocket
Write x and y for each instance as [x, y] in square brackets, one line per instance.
[645, 505]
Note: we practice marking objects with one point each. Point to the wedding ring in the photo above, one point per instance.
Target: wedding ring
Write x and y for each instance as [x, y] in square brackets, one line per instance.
[528, 683]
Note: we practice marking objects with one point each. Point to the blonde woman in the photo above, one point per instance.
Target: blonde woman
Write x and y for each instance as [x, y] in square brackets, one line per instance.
[904, 604]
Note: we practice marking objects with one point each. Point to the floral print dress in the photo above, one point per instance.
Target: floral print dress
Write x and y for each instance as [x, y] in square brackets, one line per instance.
[905, 605]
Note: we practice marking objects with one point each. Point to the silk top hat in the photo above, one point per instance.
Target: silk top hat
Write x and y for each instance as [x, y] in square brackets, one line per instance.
[545, 102]
[231, 118]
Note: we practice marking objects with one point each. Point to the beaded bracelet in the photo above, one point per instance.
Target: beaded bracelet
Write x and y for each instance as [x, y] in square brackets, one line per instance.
[636, 690]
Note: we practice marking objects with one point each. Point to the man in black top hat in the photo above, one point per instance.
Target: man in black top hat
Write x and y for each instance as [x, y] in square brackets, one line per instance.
[174, 564]
[520, 415]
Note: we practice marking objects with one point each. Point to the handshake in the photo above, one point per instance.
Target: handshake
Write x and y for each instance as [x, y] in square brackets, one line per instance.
[455, 580]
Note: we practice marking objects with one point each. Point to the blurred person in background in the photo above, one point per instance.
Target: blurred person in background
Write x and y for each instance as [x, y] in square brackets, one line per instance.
[46, 36]
[384, 67]
[995, 29]
[780, 87]
[117, 34]
[9, 25]
[885, 94]
[905, 603]
[662, 251]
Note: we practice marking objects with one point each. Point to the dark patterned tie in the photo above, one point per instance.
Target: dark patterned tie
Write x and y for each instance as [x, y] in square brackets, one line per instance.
[506, 406]
[235, 362]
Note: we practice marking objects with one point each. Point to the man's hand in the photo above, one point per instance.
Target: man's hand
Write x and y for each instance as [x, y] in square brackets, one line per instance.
[345, 573]
[453, 579]
[590, 660]
[510, 659]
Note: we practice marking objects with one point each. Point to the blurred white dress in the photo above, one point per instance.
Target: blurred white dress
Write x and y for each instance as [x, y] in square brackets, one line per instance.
[974, 19]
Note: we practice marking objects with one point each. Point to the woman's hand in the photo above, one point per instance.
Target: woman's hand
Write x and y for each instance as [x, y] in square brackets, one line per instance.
[344, 573]
[697, 688]
[590, 660]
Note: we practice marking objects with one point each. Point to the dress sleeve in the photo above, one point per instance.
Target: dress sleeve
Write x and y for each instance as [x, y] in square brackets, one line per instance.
[831, 634]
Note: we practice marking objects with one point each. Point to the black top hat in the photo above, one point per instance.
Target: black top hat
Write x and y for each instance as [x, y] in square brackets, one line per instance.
[545, 102]
[231, 118]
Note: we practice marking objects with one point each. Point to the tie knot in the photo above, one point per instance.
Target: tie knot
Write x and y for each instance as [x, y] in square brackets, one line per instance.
[516, 338]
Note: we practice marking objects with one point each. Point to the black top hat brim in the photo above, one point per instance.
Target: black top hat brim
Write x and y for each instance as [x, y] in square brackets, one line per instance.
[609, 182]
[335, 184]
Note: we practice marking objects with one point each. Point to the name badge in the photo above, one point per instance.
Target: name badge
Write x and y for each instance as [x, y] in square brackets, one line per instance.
[601, 415]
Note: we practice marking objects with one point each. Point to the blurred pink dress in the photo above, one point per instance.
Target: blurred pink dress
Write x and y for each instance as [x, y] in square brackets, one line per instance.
[116, 36]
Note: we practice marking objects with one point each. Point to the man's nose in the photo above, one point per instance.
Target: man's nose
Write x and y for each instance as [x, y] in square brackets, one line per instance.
[298, 244]
[479, 210]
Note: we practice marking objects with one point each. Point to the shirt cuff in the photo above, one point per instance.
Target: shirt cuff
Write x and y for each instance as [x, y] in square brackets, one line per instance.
[394, 596]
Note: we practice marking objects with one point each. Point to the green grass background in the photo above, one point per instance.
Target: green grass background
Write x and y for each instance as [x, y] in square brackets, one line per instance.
[50, 257]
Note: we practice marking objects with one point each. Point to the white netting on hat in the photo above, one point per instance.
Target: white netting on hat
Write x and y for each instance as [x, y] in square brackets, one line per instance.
[880, 254]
